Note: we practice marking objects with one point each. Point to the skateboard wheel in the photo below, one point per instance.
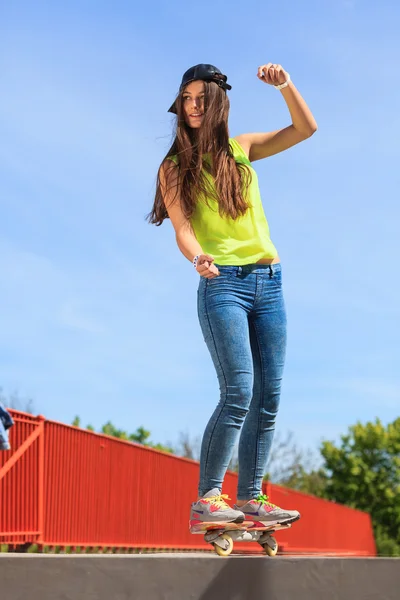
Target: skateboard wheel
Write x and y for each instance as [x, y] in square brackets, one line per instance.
[222, 551]
[271, 547]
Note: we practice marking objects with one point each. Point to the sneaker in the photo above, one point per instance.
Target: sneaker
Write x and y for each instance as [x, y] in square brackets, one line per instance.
[213, 508]
[262, 512]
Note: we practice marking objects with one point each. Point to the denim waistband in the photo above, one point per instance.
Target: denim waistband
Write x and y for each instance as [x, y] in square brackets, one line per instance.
[253, 268]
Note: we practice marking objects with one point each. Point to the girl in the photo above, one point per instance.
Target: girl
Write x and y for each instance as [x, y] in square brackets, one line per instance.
[208, 188]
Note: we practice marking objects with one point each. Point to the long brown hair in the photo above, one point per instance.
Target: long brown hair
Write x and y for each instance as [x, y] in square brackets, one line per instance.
[189, 147]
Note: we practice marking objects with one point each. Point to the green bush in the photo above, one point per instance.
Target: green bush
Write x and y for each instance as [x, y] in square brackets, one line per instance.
[386, 546]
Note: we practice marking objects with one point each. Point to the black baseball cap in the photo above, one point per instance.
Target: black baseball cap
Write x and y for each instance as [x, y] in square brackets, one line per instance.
[204, 73]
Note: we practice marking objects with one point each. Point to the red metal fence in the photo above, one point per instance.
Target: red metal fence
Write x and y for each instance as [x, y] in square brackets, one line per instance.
[63, 486]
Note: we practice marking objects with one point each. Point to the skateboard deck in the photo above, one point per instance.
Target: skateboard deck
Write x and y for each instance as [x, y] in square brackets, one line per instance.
[222, 535]
[203, 527]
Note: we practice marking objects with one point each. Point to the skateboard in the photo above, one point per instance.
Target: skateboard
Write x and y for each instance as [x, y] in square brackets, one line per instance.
[222, 535]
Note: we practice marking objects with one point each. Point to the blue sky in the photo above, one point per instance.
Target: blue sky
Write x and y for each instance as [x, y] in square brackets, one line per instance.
[98, 308]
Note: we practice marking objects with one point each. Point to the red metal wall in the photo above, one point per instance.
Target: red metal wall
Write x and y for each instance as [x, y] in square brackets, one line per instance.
[324, 526]
[19, 485]
[76, 488]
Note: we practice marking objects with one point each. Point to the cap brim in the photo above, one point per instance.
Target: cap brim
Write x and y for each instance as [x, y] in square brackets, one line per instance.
[172, 109]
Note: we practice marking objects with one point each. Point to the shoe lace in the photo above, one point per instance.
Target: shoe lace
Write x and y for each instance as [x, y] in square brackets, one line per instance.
[263, 499]
[219, 500]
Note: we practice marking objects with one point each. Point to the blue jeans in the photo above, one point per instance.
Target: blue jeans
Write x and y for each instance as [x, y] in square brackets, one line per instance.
[243, 320]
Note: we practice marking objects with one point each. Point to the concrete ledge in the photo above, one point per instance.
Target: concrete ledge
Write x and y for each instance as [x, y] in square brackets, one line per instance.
[196, 577]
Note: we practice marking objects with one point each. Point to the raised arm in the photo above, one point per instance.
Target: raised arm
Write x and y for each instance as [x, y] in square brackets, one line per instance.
[262, 145]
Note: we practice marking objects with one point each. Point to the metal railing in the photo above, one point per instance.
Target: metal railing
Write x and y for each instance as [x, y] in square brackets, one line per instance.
[64, 486]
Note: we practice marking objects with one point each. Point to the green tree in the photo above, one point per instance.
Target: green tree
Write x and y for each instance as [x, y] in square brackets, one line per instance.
[311, 482]
[140, 436]
[110, 429]
[364, 473]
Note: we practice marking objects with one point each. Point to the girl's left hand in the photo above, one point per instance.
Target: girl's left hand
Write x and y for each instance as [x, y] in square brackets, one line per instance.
[272, 74]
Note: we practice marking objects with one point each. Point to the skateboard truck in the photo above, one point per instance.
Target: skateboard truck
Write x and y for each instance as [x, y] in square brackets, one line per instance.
[222, 538]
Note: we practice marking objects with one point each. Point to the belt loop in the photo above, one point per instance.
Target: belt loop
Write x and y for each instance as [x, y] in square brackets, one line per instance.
[240, 270]
[271, 271]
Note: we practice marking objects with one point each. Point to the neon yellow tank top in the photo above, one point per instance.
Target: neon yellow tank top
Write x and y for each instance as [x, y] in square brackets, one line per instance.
[235, 242]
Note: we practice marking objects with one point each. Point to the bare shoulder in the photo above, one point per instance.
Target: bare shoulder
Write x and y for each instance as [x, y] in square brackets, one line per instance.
[244, 140]
[168, 167]
[168, 174]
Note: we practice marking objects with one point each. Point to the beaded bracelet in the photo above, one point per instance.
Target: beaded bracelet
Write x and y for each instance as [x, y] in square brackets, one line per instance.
[196, 258]
[283, 85]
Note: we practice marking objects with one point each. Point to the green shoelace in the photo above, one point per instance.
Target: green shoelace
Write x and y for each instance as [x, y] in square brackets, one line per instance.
[263, 499]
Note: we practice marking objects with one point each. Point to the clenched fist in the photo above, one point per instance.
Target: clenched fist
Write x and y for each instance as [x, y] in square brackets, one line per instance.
[205, 268]
[272, 74]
